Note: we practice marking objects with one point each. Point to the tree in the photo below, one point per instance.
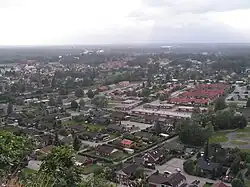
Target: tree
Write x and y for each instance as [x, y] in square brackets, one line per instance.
[59, 101]
[79, 92]
[206, 151]
[241, 177]
[248, 103]
[188, 166]
[100, 101]
[82, 103]
[145, 100]
[74, 105]
[60, 165]
[56, 141]
[14, 150]
[237, 183]
[50, 140]
[220, 104]
[209, 129]
[51, 101]
[53, 83]
[235, 167]
[192, 128]
[63, 91]
[162, 97]
[90, 94]
[157, 127]
[145, 92]
[240, 121]
[248, 171]
[76, 143]
[10, 108]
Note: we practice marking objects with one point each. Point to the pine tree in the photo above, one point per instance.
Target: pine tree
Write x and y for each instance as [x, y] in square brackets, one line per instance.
[206, 151]
[76, 143]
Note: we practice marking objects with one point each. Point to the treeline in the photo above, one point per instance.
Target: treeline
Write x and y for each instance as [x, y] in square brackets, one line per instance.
[197, 130]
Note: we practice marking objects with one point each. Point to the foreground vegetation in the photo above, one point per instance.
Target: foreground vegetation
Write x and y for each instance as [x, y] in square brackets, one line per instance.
[58, 167]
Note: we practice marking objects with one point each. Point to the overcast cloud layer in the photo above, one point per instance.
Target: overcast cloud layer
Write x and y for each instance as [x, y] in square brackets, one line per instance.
[56, 22]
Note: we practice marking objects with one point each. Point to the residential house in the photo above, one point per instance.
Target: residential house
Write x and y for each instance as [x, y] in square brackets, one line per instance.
[143, 135]
[120, 128]
[125, 175]
[154, 156]
[78, 128]
[206, 166]
[52, 110]
[174, 147]
[118, 115]
[101, 120]
[161, 180]
[127, 143]
[82, 160]
[105, 150]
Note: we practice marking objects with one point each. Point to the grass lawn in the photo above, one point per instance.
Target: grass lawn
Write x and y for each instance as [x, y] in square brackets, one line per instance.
[119, 155]
[91, 168]
[247, 129]
[94, 128]
[239, 142]
[207, 185]
[242, 135]
[219, 137]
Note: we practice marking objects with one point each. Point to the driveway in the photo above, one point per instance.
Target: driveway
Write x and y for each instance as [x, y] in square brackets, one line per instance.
[175, 163]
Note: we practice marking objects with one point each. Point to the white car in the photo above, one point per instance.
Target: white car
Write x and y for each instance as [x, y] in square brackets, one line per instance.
[178, 169]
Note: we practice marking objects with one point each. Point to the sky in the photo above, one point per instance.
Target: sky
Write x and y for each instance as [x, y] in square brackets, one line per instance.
[80, 22]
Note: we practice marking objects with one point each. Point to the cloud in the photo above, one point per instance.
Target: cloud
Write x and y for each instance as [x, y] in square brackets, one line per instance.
[199, 6]
[33, 22]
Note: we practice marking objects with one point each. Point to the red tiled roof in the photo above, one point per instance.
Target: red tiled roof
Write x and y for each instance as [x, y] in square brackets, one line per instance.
[126, 142]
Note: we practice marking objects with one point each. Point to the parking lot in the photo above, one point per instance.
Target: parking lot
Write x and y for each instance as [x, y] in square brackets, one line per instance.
[175, 163]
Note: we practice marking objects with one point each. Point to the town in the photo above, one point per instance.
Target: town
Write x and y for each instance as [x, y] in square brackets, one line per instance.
[153, 117]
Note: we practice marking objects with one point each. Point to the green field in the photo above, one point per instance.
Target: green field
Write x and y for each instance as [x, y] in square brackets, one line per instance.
[239, 142]
[219, 137]
[247, 129]
[242, 135]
